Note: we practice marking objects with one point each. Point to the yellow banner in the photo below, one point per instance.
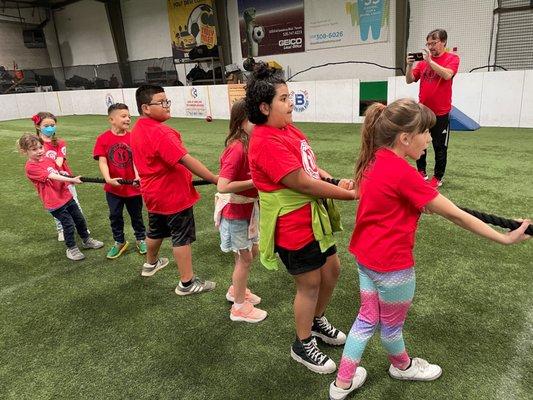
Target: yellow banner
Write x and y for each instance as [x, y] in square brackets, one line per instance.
[192, 24]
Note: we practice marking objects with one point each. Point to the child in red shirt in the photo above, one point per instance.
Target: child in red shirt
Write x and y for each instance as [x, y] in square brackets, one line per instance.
[55, 149]
[113, 152]
[57, 199]
[236, 214]
[283, 167]
[392, 197]
[164, 168]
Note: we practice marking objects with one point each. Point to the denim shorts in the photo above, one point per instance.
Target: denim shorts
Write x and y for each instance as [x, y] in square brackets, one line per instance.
[234, 235]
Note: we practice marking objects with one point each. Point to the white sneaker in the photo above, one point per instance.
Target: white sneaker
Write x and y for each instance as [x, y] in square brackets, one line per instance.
[336, 393]
[420, 370]
[149, 269]
[75, 254]
[91, 243]
[60, 236]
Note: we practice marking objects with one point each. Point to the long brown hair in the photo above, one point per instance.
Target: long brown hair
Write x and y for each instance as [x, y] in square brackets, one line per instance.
[38, 118]
[384, 123]
[237, 117]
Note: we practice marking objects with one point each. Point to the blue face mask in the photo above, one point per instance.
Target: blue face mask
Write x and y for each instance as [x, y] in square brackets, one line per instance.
[48, 131]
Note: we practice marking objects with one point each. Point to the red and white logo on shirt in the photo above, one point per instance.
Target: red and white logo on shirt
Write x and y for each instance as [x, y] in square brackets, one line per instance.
[51, 154]
[52, 170]
[309, 160]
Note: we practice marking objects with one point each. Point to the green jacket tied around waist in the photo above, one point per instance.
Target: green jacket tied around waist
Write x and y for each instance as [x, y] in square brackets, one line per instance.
[325, 219]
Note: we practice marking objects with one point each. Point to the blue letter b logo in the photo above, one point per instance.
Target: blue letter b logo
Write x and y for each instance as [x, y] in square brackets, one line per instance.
[299, 99]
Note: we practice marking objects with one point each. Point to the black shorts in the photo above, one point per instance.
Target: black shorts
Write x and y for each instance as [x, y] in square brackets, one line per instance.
[306, 259]
[179, 226]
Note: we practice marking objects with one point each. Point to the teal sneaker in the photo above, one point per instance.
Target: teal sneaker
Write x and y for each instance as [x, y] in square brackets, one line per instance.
[141, 246]
[117, 250]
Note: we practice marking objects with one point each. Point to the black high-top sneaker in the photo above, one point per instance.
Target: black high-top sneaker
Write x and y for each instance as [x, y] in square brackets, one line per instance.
[310, 355]
[323, 330]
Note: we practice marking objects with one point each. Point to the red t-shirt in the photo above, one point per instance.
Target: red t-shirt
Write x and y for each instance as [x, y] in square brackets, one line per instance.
[392, 195]
[234, 167]
[435, 91]
[273, 154]
[117, 151]
[54, 194]
[166, 184]
[59, 150]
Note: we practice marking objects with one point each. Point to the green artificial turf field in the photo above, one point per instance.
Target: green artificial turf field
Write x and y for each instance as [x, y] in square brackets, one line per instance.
[96, 329]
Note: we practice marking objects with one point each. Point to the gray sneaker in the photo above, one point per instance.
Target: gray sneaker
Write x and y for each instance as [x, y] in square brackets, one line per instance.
[150, 269]
[75, 254]
[197, 286]
[91, 243]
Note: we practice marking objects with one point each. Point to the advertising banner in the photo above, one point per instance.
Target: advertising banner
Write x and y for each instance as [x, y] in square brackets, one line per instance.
[271, 27]
[345, 23]
[192, 24]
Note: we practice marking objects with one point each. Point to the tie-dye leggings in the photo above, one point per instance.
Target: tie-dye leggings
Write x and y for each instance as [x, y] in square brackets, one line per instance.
[385, 300]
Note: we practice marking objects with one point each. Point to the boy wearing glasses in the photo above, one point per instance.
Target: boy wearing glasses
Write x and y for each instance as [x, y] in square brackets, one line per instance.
[436, 74]
[164, 168]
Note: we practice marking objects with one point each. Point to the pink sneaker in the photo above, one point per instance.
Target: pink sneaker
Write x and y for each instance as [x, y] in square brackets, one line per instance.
[251, 298]
[247, 313]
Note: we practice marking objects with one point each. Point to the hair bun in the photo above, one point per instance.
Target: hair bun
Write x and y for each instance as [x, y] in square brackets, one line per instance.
[262, 70]
[36, 119]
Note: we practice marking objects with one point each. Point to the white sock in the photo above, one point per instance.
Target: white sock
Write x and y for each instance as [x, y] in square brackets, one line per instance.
[238, 306]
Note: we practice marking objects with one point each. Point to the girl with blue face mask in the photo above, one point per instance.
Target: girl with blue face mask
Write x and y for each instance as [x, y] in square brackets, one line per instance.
[56, 149]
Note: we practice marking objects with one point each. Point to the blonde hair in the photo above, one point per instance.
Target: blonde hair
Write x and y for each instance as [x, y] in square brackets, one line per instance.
[384, 123]
[28, 141]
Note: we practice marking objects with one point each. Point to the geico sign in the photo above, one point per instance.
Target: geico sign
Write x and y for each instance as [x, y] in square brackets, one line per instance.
[290, 42]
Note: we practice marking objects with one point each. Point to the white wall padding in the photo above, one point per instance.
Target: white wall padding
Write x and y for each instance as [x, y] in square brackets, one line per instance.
[526, 115]
[466, 94]
[82, 101]
[9, 107]
[104, 97]
[501, 98]
[30, 104]
[218, 102]
[51, 103]
[398, 89]
[65, 103]
[129, 99]
[303, 96]
[334, 101]
[176, 95]
[356, 90]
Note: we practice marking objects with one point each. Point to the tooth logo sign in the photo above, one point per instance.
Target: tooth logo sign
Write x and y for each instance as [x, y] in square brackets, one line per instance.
[368, 14]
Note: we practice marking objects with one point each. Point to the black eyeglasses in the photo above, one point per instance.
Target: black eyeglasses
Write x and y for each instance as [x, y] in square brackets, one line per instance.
[162, 103]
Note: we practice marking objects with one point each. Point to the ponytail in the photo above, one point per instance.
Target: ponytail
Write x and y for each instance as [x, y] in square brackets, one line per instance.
[384, 123]
[368, 140]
